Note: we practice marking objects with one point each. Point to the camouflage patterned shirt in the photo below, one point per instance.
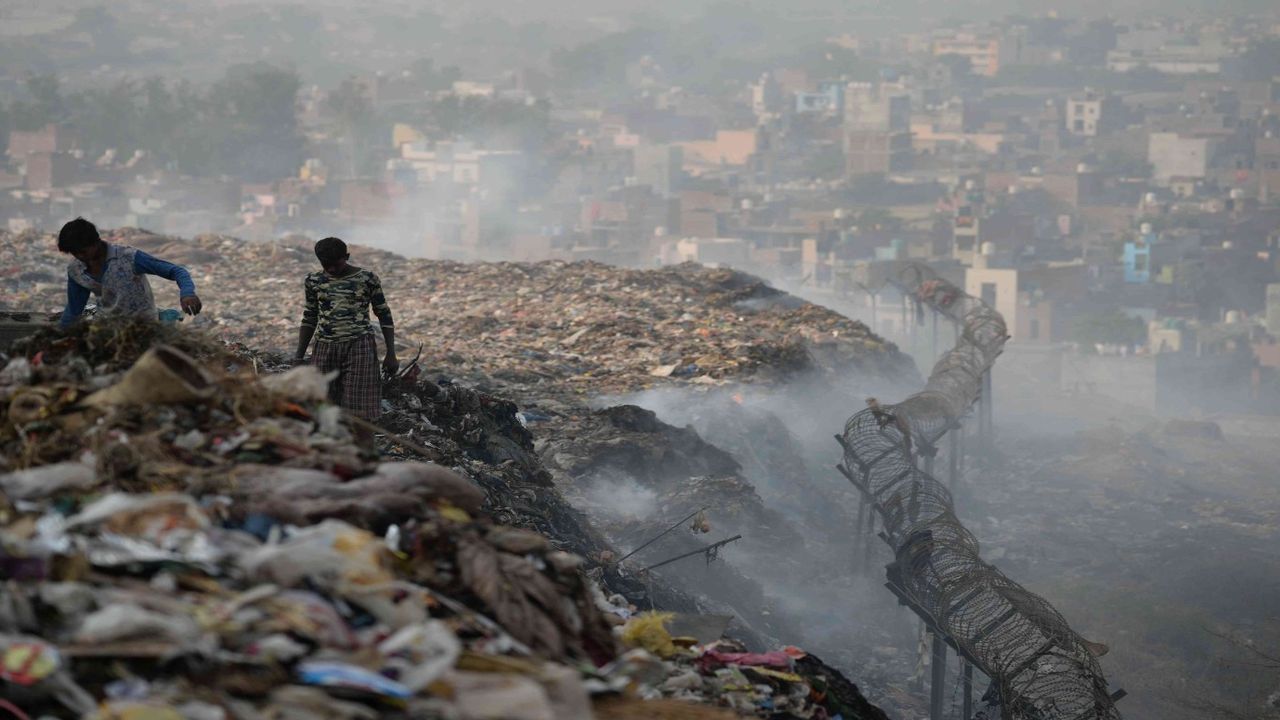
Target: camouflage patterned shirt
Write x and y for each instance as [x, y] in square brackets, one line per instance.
[338, 308]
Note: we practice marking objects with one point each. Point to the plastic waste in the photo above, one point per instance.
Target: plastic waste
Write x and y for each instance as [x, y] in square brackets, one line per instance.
[421, 653]
[42, 482]
[350, 677]
[16, 372]
[648, 631]
[499, 696]
[304, 383]
[118, 622]
[345, 560]
[163, 375]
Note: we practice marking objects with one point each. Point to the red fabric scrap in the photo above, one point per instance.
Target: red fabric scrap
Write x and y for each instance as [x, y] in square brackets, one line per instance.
[713, 659]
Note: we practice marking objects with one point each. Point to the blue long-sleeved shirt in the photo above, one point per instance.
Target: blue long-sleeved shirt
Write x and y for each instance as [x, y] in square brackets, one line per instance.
[78, 295]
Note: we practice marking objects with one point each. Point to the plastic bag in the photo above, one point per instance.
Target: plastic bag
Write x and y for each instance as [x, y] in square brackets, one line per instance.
[421, 653]
[304, 383]
[42, 482]
[350, 677]
[163, 375]
[16, 372]
[118, 622]
[346, 561]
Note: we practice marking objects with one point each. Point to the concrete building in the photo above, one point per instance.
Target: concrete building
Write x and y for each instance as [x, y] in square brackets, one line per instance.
[1266, 161]
[829, 98]
[869, 106]
[1137, 258]
[1273, 309]
[870, 152]
[729, 252]
[497, 171]
[729, 148]
[1176, 156]
[660, 167]
[1171, 63]
[982, 52]
[48, 139]
[48, 170]
[766, 96]
[997, 287]
[877, 129]
[1092, 114]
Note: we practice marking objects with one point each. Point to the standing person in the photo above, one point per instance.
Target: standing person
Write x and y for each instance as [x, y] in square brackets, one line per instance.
[117, 274]
[338, 299]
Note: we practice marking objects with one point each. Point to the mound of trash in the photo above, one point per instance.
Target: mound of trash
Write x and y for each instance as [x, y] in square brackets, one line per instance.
[548, 329]
[188, 530]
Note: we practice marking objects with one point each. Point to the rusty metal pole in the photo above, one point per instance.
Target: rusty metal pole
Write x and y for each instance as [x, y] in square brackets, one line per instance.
[905, 337]
[858, 537]
[966, 707]
[933, 341]
[953, 458]
[868, 538]
[937, 678]
[988, 415]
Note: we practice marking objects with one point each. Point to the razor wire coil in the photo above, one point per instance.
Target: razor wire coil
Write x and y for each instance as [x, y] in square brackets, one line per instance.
[1042, 669]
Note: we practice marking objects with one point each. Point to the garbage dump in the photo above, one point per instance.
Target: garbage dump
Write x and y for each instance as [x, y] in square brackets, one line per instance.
[188, 530]
[555, 338]
[545, 331]
[1042, 669]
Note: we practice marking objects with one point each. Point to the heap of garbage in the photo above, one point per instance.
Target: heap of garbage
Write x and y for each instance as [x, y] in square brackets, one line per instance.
[568, 330]
[189, 530]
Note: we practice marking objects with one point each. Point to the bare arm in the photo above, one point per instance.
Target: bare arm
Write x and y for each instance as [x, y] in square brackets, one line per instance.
[305, 333]
[383, 312]
[310, 315]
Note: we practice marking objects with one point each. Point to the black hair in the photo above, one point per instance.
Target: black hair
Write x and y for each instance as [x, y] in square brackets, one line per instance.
[330, 249]
[77, 235]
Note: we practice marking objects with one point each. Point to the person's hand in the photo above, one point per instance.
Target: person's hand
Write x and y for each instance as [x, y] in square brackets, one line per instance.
[390, 365]
[191, 305]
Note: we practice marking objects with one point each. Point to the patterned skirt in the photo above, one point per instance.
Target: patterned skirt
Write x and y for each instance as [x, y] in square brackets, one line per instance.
[358, 387]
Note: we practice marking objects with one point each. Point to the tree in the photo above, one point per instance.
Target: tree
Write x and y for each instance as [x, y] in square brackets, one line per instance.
[253, 114]
[353, 111]
[46, 104]
[109, 118]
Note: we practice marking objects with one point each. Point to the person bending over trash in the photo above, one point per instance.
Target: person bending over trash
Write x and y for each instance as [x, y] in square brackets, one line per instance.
[117, 274]
[338, 299]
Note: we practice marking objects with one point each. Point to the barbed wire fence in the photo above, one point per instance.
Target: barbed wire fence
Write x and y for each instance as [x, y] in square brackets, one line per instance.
[1042, 669]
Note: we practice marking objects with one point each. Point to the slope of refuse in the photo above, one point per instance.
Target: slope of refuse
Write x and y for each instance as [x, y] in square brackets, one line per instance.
[553, 338]
[187, 530]
[552, 329]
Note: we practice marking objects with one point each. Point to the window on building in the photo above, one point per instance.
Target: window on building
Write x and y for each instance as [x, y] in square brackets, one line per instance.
[989, 294]
[1079, 125]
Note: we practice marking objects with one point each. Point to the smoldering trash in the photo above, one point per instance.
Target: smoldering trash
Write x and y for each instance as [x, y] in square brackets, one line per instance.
[189, 530]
